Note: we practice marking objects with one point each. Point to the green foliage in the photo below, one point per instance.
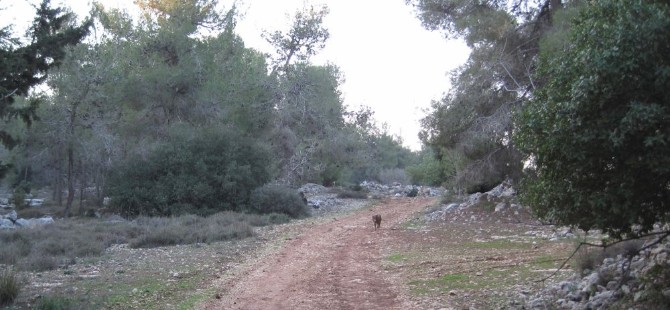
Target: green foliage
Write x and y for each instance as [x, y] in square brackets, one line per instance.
[22, 67]
[469, 129]
[55, 303]
[413, 192]
[598, 133]
[428, 170]
[9, 287]
[205, 174]
[302, 40]
[20, 194]
[271, 198]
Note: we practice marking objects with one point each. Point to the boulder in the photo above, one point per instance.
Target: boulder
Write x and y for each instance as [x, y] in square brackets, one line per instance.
[6, 224]
[12, 216]
[501, 206]
[22, 223]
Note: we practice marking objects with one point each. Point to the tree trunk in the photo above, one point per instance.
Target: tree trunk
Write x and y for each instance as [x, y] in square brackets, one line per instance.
[70, 181]
[82, 186]
[58, 181]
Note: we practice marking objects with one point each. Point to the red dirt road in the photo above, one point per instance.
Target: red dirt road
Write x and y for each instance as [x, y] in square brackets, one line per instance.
[332, 265]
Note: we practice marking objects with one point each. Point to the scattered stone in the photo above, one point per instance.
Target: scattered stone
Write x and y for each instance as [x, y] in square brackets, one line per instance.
[609, 283]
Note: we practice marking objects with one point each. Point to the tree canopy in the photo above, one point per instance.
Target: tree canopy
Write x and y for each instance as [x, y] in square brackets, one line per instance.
[165, 113]
[470, 128]
[598, 131]
[23, 66]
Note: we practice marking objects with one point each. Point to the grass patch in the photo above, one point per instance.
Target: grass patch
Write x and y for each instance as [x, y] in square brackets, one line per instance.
[498, 244]
[546, 262]
[396, 258]
[443, 283]
[56, 303]
[413, 224]
[191, 301]
[10, 287]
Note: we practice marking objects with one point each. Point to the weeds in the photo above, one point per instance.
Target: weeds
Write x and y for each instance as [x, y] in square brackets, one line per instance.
[54, 303]
[9, 287]
[66, 241]
[188, 229]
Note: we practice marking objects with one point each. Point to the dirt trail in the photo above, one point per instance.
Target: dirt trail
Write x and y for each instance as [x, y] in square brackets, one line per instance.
[332, 265]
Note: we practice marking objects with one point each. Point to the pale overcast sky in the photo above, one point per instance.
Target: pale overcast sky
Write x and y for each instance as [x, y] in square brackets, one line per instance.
[389, 61]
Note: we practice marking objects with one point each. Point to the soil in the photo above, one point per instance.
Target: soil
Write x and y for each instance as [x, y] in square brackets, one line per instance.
[334, 265]
[471, 259]
[344, 263]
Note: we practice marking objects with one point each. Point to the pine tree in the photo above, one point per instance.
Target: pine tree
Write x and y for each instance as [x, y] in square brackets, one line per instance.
[22, 67]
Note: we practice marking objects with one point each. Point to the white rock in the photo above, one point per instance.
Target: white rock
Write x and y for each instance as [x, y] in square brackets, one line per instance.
[6, 224]
[500, 207]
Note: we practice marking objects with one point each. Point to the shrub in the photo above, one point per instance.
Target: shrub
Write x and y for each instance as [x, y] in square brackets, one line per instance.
[413, 193]
[54, 303]
[204, 175]
[9, 287]
[188, 229]
[19, 198]
[272, 198]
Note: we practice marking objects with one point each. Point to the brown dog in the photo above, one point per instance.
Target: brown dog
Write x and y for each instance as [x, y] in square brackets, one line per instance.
[377, 220]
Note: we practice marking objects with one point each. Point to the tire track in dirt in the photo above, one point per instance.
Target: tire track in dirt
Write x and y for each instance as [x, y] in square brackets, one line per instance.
[333, 265]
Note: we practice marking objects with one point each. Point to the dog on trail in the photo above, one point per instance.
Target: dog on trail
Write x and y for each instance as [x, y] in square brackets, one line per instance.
[377, 221]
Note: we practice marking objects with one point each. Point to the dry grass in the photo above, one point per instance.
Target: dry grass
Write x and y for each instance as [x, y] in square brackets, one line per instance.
[9, 287]
[64, 242]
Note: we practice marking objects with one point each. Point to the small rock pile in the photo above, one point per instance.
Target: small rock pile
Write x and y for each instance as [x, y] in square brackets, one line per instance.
[502, 196]
[642, 282]
[12, 221]
[323, 200]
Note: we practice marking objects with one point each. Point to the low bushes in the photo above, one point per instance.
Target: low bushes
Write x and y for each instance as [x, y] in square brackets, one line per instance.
[65, 241]
[202, 175]
[271, 198]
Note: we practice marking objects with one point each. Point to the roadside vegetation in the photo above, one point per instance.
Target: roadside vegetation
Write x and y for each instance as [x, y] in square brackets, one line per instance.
[67, 242]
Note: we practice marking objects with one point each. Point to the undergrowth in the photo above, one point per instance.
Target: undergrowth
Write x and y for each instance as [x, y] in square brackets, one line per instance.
[9, 287]
[66, 241]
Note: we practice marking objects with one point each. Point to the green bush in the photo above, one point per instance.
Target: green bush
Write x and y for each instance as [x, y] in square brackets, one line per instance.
[413, 193]
[19, 198]
[9, 287]
[272, 198]
[203, 175]
[54, 303]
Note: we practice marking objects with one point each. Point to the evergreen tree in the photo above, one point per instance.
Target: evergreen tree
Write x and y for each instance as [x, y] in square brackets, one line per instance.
[22, 67]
